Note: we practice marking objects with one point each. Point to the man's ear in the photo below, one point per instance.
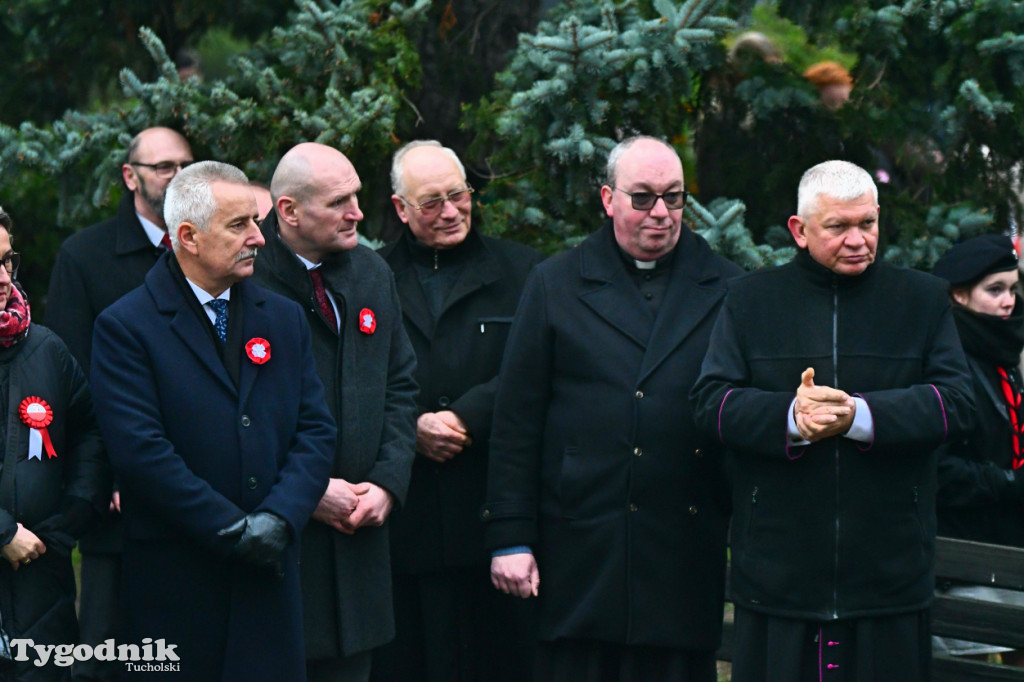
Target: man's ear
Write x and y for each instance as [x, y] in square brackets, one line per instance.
[400, 208]
[797, 228]
[606, 199]
[287, 209]
[187, 237]
[130, 179]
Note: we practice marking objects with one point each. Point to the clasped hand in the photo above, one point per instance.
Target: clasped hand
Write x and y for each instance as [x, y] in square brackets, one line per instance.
[262, 538]
[821, 411]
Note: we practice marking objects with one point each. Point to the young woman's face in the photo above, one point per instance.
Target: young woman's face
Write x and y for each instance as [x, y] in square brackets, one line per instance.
[994, 295]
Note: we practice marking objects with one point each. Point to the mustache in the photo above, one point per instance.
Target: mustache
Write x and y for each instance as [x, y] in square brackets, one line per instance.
[248, 253]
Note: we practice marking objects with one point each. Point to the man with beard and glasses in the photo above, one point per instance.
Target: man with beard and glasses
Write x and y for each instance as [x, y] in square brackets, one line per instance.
[94, 268]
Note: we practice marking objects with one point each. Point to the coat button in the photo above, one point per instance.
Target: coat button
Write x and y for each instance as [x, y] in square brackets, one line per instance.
[633, 507]
[245, 420]
[253, 483]
[639, 394]
[698, 452]
[444, 401]
[693, 510]
[486, 513]
[638, 451]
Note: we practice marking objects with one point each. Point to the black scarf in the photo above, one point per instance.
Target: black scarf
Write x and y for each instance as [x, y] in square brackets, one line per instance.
[990, 337]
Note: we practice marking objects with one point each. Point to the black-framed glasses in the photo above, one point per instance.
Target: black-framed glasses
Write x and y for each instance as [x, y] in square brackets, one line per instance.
[164, 169]
[645, 201]
[12, 261]
[434, 206]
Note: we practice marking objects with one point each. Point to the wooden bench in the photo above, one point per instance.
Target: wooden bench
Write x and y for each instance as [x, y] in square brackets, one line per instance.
[999, 624]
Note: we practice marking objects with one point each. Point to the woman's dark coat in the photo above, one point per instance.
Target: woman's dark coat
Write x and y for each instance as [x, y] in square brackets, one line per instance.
[837, 529]
[977, 500]
[596, 462]
[55, 498]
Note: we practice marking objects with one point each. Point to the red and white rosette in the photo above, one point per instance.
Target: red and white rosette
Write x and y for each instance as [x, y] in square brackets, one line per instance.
[258, 350]
[367, 321]
[37, 415]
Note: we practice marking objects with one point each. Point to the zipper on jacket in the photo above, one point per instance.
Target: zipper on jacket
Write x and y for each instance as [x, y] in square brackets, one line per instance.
[835, 384]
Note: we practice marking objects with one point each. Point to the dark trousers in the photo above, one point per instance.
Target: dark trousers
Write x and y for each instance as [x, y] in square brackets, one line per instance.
[355, 668]
[881, 649]
[583, 660]
[99, 615]
[454, 626]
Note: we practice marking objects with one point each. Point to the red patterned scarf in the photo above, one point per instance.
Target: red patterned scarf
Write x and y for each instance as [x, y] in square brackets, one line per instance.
[15, 318]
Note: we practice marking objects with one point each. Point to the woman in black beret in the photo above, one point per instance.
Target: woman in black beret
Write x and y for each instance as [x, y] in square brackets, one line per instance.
[981, 479]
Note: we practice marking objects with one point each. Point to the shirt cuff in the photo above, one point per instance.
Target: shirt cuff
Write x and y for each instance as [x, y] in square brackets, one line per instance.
[517, 549]
[794, 433]
[863, 428]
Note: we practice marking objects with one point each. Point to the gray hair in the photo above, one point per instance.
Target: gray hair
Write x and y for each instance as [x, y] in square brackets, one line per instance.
[190, 199]
[612, 167]
[840, 180]
[397, 168]
[5, 220]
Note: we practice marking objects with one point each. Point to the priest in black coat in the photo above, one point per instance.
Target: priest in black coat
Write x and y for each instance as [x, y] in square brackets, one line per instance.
[603, 498]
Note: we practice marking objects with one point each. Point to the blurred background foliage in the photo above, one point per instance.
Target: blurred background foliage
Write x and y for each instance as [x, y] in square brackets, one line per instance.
[532, 94]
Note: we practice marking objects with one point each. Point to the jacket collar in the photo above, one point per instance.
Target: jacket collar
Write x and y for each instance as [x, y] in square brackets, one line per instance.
[130, 236]
[170, 300]
[693, 293]
[818, 274]
[479, 269]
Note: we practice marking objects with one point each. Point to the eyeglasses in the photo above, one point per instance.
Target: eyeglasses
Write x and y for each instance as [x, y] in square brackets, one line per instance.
[432, 207]
[11, 263]
[645, 201]
[164, 169]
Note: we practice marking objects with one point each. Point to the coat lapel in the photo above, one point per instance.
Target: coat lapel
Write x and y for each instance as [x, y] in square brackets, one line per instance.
[609, 291]
[688, 300]
[255, 323]
[414, 303]
[170, 300]
[480, 270]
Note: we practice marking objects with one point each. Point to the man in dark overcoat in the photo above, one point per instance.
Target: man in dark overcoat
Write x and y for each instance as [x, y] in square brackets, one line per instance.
[208, 400]
[94, 268]
[603, 499]
[459, 290]
[831, 380]
[367, 366]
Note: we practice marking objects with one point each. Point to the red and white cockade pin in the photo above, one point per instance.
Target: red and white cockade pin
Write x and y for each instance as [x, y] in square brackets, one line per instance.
[367, 321]
[258, 350]
[37, 415]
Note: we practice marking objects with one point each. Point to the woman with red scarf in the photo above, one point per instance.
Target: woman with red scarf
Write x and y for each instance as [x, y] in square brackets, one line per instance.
[981, 479]
[54, 477]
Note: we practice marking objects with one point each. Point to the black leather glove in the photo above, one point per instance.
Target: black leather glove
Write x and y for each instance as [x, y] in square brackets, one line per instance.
[261, 540]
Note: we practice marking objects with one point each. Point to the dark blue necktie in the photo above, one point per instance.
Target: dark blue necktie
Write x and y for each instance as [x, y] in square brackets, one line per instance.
[220, 306]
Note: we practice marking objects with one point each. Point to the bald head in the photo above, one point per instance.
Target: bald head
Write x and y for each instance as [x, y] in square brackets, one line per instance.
[314, 193]
[154, 157]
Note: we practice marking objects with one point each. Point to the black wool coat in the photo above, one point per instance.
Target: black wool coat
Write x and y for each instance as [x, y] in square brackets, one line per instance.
[55, 498]
[371, 392]
[976, 500]
[596, 462]
[838, 529]
[458, 358]
[94, 268]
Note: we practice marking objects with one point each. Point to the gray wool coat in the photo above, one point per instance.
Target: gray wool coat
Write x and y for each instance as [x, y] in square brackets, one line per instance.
[371, 392]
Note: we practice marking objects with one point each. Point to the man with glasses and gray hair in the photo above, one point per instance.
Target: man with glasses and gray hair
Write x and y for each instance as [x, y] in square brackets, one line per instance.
[459, 291]
[603, 500]
[94, 268]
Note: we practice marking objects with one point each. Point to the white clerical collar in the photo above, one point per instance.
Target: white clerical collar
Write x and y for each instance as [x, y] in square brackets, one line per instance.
[153, 232]
[645, 264]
